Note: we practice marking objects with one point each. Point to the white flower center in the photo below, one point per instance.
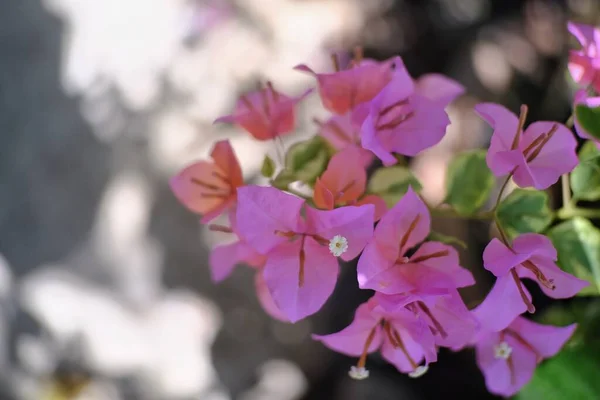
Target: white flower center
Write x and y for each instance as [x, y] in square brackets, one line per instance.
[419, 371]
[502, 351]
[358, 373]
[338, 245]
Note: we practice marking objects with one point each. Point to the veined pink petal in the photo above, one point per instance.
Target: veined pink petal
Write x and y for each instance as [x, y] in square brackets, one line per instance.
[547, 340]
[265, 298]
[557, 156]
[439, 88]
[502, 305]
[370, 140]
[499, 259]
[294, 298]
[341, 91]
[408, 220]
[375, 271]
[353, 223]
[225, 158]
[504, 162]
[352, 339]
[322, 196]
[424, 129]
[344, 177]
[417, 340]
[264, 211]
[566, 285]
[444, 261]
[505, 377]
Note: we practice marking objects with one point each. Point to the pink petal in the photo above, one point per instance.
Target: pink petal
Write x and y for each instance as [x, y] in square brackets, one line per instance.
[222, 260]
[505, 377]
[557, 157]
[534, 244]
[352, 339]
[583, 33]
[504, 162]
[447, 267]
[417, 339]
[453, 315]
[225, 158]
[502, 305]
[378, 202]
[566, 284]
[499, 259]
[281, 274]
[353, 223]
[504, 123]
[439, 88]
[396, 223]
[322, 196]
[344, 177]
[375, 271]
[424, 129]
[194, 196]
[265, 299]
[370, 140]
[262, 211]
[547, 340]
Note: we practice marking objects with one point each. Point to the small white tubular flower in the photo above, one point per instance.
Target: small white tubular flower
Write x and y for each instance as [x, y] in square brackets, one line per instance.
[419, 371]
[502, 351]
[338, 245]
[358, 373]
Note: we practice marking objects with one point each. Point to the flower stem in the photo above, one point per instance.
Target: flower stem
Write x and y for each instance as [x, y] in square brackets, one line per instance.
[566, 191]
[503, 235]
[570, 212]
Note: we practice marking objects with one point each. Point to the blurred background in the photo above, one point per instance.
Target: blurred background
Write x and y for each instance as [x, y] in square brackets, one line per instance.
[104, 284]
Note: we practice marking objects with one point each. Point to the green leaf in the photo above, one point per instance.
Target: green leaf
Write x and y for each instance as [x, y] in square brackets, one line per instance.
[440, 237]
[588, 150]
[268, 167]
[585, 180]
[577, 242]
[391, 183]
[524, 210]
[469, 182]
[307, 160]
[283, 179]
[572, 374]
[589, 119]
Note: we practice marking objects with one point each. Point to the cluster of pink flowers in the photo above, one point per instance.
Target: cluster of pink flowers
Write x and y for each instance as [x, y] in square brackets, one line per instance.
[293, 243]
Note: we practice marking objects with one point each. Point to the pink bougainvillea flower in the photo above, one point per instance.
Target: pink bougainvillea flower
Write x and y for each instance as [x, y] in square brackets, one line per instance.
[536, 156]
[341, 132]
[509, 357]
[386, 265]
[584, 64]
[408, 117]
[341, 91]
[404, 340]
[531, 256]
[581, 97]
[224, 258]
[210, 188]
[344, 183]
[301, 244]
[449, 319]
[265, 114]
